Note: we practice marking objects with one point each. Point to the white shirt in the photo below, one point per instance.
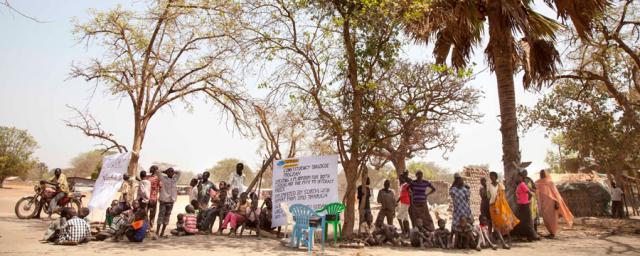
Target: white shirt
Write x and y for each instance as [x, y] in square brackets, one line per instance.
[193, 194]
[144, 190]
[237, 181]
[493, 192]
[616, 194]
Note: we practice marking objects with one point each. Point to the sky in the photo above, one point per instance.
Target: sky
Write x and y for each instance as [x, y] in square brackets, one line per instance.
[35, 90]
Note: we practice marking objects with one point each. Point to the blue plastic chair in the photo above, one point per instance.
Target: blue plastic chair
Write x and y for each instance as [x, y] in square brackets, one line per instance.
[302, 216]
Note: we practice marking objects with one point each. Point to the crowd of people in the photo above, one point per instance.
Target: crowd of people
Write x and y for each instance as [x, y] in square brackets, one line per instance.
[495, 225]
[132, 215]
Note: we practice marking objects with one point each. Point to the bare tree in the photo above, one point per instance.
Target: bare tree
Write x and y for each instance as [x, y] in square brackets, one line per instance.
[163, 55]
[86, 123]
[422, 102]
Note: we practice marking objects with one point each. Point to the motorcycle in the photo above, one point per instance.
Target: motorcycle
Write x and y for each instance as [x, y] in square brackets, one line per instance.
[29, 206]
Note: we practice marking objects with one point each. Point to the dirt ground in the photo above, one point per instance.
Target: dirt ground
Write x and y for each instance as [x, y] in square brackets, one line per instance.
[20, 237]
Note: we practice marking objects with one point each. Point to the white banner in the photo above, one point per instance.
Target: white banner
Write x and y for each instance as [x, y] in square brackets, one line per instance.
[109, 181]
[312, 181]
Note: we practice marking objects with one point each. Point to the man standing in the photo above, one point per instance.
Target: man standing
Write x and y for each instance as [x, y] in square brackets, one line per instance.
[484, 202]
[59, 180]
[155, 186]
[144, 190]
[204, 191]
[365, 213]
[405, 202]
[126, 193]
[616, 201]
[237, 178]
[387, 200]
[419, 205]
[168, 195]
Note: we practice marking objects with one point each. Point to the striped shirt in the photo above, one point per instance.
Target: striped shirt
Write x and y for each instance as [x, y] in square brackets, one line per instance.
[190, 223]
[419, 189]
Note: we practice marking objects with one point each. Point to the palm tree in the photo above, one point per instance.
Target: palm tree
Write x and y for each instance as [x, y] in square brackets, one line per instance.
[457, 28]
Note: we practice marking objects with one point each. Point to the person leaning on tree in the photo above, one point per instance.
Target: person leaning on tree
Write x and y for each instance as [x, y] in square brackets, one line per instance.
[365, 213]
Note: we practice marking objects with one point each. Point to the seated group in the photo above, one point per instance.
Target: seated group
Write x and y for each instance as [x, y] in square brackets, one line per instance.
[235, 212]
[463, 236]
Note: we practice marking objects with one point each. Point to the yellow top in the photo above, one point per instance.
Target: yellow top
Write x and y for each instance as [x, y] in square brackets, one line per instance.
[62, 182]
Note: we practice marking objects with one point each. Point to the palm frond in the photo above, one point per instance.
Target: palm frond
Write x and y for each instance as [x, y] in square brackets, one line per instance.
[538, 61]
[542, 27]
[456, 25]
[582, 13]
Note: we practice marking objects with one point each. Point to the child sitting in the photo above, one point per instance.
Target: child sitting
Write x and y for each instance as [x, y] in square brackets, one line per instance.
[137, 231]
[365, 236]
[484, 238]
[187, 223]
[442, 235]
[109, 215]
[117, 227]
[463, 234]
[420, 236]
[386, 234]
[253, 215]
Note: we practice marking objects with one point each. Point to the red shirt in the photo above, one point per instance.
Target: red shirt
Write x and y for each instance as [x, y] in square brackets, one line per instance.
[404, 194]
[155, 187]
[522, 193]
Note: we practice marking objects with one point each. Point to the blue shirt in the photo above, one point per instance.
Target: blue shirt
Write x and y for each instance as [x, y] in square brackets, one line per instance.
[419, 191]
[139, 234]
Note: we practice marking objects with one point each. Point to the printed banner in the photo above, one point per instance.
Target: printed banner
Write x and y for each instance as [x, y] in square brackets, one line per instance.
[109, 181]
[312, 181]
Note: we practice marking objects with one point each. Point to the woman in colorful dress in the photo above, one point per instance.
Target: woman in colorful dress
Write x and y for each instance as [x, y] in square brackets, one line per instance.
[460, 196]
[502, 218]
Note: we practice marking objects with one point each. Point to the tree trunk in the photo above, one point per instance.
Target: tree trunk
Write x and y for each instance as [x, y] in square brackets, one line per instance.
[400, 164]
[2, 181]
[351, 171]
[501, 42]
[355, 156]
[138, 138]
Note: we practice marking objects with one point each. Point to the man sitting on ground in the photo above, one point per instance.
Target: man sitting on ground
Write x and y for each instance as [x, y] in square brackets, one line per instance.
[53, 231]
[220, 206]
[266, 212]
[75, 230]
[118, 225]
[137, 231]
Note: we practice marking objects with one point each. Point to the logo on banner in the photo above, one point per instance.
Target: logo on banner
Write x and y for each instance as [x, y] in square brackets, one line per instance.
[288, 163]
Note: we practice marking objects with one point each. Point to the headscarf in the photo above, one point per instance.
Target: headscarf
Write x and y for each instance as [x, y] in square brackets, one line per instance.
[546, 188]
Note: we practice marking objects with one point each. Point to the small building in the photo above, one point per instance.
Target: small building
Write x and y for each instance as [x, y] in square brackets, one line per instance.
[586, 194]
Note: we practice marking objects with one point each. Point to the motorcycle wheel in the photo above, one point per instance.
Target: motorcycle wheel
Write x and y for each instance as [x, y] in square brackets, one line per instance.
[26, 207]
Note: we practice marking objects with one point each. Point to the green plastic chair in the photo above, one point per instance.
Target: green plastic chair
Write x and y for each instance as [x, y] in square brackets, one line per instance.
[332, 216]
